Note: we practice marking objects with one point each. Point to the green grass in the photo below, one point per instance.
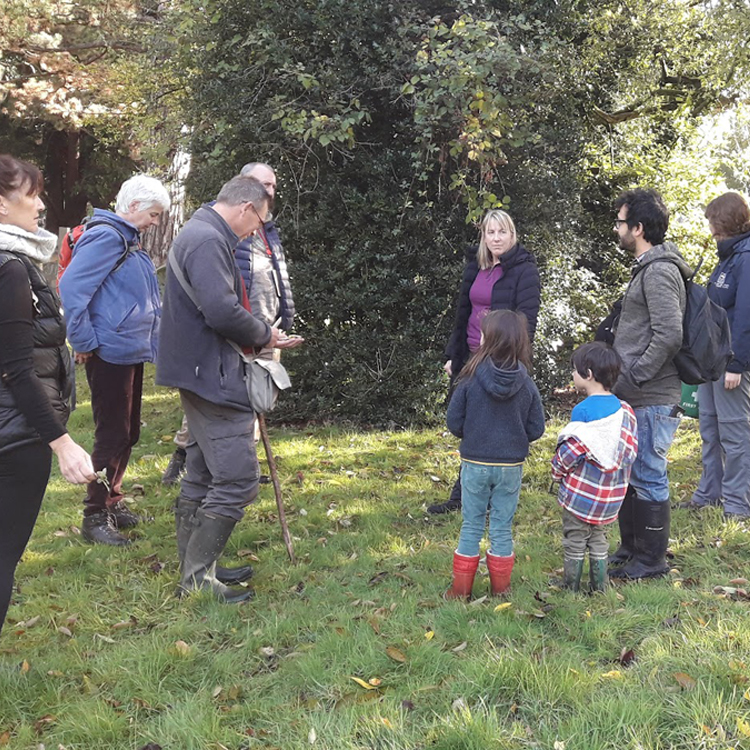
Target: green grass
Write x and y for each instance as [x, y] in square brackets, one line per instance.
[103, 668]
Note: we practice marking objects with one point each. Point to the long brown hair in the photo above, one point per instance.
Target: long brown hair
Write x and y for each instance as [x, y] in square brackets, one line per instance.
[505, 341]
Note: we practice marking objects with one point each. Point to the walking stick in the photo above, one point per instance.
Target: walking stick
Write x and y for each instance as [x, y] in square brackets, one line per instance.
[276, 487]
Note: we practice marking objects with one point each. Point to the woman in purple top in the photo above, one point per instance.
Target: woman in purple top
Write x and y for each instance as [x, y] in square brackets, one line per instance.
[500, 274]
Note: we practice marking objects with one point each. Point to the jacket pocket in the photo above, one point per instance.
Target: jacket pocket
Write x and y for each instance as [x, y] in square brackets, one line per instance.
[125, 317]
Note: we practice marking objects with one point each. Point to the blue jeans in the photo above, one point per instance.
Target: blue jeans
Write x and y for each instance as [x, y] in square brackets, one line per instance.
[493, 488]
[656, 431]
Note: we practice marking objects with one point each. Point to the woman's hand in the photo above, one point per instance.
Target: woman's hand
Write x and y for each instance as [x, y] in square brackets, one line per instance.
[448, 367]
[732, 380]
[82, 357]
[75, 463]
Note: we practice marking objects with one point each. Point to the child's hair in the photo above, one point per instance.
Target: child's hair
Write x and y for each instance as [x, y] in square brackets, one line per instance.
[505, 341]
[601, 360]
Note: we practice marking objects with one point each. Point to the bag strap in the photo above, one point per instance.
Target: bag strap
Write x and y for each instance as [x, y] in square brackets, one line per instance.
[99, 223]
[185, 285]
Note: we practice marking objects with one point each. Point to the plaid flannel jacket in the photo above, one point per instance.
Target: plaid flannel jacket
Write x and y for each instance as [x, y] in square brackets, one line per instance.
[588, 491]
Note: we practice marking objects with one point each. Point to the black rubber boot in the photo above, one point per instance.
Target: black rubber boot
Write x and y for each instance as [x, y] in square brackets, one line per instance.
[652, 537]
[572, 570]
[626, 521]
[598, 580]
[184, 513]
[453, 503]
[239, 574]
[209, 536]
[175, 468]
[99, 528]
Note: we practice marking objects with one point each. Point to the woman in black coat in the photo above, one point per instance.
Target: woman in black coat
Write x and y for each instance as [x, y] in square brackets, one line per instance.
[500, 274]
[35, 383]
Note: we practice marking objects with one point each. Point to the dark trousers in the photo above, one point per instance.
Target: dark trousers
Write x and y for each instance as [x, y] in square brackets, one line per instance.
[116, 392]
[24, 473]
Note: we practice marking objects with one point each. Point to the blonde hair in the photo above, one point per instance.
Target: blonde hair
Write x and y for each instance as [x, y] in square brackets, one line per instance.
[484, 257]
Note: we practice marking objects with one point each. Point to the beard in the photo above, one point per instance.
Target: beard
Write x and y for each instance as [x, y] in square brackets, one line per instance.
[627, 242]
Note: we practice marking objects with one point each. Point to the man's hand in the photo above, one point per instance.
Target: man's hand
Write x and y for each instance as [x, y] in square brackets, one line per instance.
[448, 367]
[732, 380]
[288, 342]
[83, 357]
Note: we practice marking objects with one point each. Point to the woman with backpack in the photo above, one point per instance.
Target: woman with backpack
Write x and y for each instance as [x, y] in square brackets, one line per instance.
[724, 405]
[35, 383]
[111, 300]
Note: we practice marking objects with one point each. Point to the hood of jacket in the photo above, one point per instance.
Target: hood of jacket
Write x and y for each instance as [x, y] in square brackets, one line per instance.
[601, 438]
[499, 383]
[665, 251]
[39, 247]
[731, 245]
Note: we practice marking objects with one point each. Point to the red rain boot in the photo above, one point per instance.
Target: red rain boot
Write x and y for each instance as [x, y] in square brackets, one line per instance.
[464, 570]
[500, 569]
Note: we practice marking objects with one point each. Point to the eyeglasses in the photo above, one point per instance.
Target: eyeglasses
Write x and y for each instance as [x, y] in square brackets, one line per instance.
[618, 222]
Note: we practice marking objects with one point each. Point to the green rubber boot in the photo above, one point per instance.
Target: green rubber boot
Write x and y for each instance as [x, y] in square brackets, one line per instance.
[572, 570]
[598, 575]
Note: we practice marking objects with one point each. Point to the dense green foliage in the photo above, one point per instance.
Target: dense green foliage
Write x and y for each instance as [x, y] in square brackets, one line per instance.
[394, 126]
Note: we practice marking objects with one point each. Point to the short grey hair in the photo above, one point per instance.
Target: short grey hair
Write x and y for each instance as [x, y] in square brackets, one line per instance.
[250, 166]
[145, 191]
[243, 190]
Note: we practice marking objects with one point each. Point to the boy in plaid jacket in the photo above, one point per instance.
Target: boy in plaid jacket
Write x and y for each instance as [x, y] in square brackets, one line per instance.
[595, 452]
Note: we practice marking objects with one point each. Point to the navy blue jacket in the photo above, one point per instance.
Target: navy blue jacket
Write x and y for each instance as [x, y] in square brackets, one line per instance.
[519, 289]
[112, 312]
[497, 413]
[729, 286]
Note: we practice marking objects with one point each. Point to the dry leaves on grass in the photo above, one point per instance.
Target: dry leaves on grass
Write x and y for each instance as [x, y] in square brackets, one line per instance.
[396, 654]
[684, 680]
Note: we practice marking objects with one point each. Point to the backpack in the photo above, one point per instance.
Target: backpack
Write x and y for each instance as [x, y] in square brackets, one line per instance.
[706, 339]
[73, 235]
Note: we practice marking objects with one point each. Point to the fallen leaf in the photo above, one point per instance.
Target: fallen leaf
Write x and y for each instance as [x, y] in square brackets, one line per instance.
[614, 674]
[558, 745]
[395, 654]
[429, 635]
[107, 639]
[386, 722]
[743, 727]
[378, 578]
[65, 631]
[25, 667]
[39, 724]
[151, 746]
[459, 705]
[685, 681]
[375, 681]
[362, 683]
[182, 648]
[460, 647]
[481, 600]
[503, 606]
[267, 651]
[407, 705]
[739, 581]
[627, 657]
[4, 738]
[26, 624]
[312, 736]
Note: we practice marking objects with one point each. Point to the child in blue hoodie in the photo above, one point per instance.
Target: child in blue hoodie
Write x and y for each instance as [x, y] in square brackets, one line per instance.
[496, 410]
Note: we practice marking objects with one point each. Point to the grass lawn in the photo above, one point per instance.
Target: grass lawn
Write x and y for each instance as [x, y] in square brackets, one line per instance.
[98, 654]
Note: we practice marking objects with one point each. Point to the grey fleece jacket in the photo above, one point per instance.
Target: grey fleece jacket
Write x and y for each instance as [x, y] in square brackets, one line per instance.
[194, 353]
[649, 331]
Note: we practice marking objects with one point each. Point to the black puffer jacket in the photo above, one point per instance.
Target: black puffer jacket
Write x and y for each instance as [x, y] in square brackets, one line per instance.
[519, 289]
[51, 360]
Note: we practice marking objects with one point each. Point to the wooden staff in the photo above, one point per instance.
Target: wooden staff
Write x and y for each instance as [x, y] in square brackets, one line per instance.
[276, 487]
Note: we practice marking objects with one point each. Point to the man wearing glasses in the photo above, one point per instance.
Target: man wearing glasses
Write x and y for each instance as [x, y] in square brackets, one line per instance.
[206, 317]
[647, 336]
